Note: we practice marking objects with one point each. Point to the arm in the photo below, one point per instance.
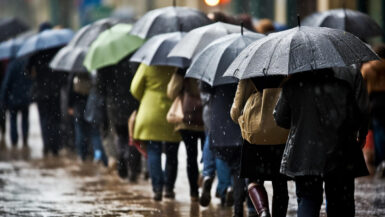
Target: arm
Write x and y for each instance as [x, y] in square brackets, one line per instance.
[244, 91]
[138, 83]
[362, 99]
[175, 86]
[282, 111]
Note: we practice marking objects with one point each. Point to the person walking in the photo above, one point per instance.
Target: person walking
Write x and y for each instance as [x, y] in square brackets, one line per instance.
[264, 142]
[190, 129]
[113, 84]
[324, 115]
[15, 96]
[149, 86]
[373, 73]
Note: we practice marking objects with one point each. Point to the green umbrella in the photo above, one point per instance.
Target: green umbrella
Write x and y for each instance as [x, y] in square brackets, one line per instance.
[111, 46]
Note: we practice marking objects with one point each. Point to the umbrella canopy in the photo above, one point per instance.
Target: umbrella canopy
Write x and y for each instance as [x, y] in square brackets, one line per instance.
[197, 39]
[297, 50]
[8, 49]
[70, 58]
[355, 22]
[155, 50]
[111, 46]
[169, 19]
[45, 40]
[213, 61]
[11, 27]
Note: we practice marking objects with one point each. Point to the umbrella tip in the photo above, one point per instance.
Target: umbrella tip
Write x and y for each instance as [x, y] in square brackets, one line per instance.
[174, 3]
[298, 20]
[242, 28]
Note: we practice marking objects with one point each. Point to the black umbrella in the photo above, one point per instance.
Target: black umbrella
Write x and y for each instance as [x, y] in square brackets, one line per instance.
[10, 27]
[297, 50]
[169, 19]
[355, 22]
[70, 58]
[212, 62]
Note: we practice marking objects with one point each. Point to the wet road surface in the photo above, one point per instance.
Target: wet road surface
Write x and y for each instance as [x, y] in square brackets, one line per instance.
[31, 185]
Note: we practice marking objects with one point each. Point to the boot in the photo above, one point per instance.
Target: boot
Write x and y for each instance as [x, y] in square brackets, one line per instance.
[258, 196]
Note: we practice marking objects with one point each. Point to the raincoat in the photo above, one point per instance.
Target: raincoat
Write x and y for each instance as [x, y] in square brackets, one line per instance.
[149, 86]
[175, 87]
[322, 114]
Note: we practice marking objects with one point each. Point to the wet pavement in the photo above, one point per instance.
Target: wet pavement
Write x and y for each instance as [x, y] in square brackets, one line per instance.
[31, 185]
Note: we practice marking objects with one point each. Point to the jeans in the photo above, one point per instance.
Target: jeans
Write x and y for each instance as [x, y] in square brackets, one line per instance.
[50, 117]
[190, 139]
[379, 141]
[129, 157]
[160, 178]
[339, 193]
[24, 124]
[212, 164]
[86, 132]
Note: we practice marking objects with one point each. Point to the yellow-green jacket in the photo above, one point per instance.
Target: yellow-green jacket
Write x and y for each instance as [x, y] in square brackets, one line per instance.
[149, 86]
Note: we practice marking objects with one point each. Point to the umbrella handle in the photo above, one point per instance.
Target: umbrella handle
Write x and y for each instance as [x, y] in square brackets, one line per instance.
[299, 20]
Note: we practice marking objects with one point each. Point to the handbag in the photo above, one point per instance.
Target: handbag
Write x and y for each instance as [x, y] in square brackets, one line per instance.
[192, 109]
[175, 113]
[140, 146]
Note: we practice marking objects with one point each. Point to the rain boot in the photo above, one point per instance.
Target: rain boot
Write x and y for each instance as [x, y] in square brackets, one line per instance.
[205, 198]
[258, 196]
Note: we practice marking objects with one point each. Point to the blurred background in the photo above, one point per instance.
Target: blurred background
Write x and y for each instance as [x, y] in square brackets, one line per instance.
[77, 13]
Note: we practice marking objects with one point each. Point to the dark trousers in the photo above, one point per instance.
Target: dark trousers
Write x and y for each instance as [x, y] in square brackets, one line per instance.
[2, 121]
[50, 117]
[24, 110]
[158, 177]
[280, 196]
[129, 158]
[190, 139]
[339, 193]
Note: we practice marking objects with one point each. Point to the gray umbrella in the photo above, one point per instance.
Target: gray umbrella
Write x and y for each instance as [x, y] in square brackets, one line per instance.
[212, 62]
[355, 22]
[197, 39]
[297, 50]
[70, 58]
[10, 27]
[169, 19]
[155, 50]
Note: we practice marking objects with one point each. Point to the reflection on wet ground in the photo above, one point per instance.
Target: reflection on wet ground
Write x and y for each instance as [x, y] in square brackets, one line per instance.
[31, 185]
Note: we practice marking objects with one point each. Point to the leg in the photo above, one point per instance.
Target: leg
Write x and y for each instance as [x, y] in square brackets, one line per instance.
[41, 105]
[309, 195]
[224, 176]
[134, 163]
[239, 188]
[208, 173]
[122, 149]
[25, 124]
[97, 145]
[154, 152]
[379, 142]
[2, 123]
[80, 140]
[340, 196]
[13, 123]
[190, 139]
[171, 165]
[280, 197]
[259, 198]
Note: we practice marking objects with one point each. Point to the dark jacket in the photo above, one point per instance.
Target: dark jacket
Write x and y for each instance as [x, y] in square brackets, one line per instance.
[16, 86]
[113, 83]
[225, 135]
[46, 82]
[322, 114]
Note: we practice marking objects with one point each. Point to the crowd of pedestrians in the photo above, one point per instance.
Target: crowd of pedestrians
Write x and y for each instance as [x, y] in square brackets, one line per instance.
[309, 127]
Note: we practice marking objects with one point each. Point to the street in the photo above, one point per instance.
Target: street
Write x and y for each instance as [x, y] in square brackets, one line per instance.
[31, 185]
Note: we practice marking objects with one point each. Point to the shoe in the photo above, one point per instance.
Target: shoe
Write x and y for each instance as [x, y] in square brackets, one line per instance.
[169, 194]
[252, 214]
[229, 198]
[258, 196]
[157, 196]
[205, 198]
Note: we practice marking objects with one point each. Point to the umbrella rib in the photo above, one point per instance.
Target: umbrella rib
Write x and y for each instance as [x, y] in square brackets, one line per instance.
[338, 39]
[271, 55]
[312, 51]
